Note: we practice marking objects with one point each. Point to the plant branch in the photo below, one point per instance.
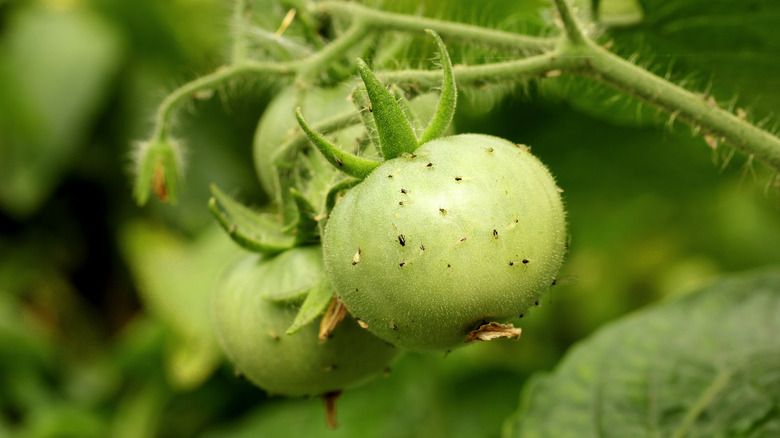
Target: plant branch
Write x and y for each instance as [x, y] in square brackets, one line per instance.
[165, 110]
[239, 50]
[535, 66]
[570, 24]
[382, 20]
[609, 68]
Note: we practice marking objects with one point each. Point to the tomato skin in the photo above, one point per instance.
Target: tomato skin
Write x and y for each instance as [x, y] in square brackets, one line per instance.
[425, 249]
[251, 330]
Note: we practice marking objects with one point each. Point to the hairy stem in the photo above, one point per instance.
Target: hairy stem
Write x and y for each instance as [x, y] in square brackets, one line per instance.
[570, 25]
[239, 49]
[696, 110]
[219, 76]
[475, 75]
[380, 20]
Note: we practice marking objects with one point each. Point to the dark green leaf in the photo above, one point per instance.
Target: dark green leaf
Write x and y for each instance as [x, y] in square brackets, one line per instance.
[700, 366]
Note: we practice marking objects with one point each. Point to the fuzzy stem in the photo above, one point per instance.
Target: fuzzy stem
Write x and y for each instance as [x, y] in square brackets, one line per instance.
[570, 24]
[382, 20]
[222, 74]
[475, 75]
[240, 47]
[609, 68]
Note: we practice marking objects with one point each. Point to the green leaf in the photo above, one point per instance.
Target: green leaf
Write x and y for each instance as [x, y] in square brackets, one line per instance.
[56, 65]
[251, 230]
[703, 365]
[315, 303]
[175, 279]
[396, 135]
[288, 275]
[449, 96]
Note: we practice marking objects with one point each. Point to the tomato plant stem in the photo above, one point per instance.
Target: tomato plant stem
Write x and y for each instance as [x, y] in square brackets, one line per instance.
[699, 111]
[381, 20]
[207, 82]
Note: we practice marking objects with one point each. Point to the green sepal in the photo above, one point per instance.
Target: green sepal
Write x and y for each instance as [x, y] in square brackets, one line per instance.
[350, 164]
[158, 168]
[306, 230]
[257, 232]
[396, 135]
[313, 306]
[406, 107]
[447, 100]
[363, 105]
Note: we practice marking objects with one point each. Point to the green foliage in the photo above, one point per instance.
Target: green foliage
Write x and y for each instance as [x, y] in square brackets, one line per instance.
[704, 364]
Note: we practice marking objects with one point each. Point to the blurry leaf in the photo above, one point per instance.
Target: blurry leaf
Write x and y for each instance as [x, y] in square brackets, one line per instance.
[55, 66]
[190, 362]
[428, 396]
[175, 279]
[620, 13]
[703, 365]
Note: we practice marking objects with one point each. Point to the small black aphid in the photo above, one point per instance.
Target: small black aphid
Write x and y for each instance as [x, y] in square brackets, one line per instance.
[536, 303]
[449, 265]
[525, 261]
[463, 239]
[400, 202]
[422, 247]
[403, 191]
[429, 165]
[495, 234]
[511, 263]
[458, 178]
[402, 240]
[554, 282]
[395, 327]
[402, 264]
[443, 211]
[339, 162]
[390, 176]
[522, 314]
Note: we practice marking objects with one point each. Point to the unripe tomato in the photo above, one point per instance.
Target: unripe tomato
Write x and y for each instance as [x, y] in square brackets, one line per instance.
[468, 230]
[278, 123]
[251, 330]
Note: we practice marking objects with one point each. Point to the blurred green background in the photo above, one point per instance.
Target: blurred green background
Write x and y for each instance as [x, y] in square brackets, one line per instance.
[104, 322]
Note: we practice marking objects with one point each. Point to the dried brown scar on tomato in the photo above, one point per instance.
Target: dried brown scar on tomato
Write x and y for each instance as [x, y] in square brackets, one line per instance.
[493, 330]
[332, 317]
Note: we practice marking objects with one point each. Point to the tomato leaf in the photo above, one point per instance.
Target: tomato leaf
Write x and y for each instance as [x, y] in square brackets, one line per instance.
[395, 132]
[251, 230]
[315, 303]
[702, 365]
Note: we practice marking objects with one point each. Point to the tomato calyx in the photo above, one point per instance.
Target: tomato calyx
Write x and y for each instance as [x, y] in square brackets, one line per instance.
[394, 130]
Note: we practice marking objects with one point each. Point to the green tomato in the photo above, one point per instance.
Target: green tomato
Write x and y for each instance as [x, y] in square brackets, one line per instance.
[470, 229]
[278, 124]
[251, 330]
